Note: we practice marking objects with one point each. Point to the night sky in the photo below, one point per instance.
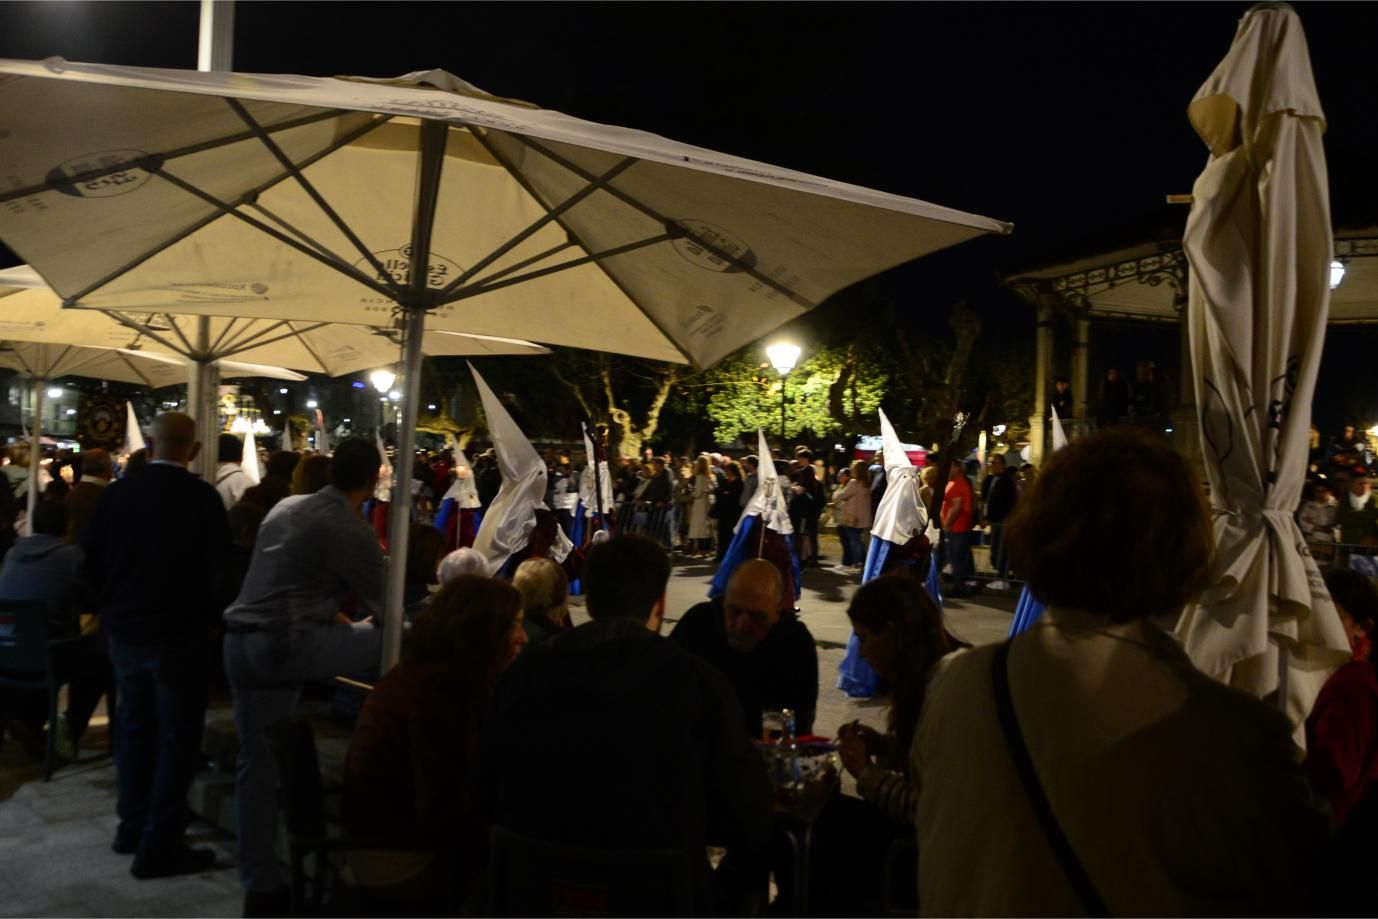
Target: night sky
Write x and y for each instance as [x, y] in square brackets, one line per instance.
[1067, 119]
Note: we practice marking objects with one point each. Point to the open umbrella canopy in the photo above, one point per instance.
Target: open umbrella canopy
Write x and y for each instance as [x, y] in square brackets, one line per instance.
[353, 200]
[43, 361]
[560, 230]
[31, 311]
[1259, 243]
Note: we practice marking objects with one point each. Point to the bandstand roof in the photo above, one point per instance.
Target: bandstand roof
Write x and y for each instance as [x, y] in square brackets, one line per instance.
[1147, 281]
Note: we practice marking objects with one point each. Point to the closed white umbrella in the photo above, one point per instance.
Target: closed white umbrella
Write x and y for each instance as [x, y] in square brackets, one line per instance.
[345, 200]
[1259, 244]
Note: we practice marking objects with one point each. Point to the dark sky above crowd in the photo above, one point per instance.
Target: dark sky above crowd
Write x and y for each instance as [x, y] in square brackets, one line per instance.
[1068, 119]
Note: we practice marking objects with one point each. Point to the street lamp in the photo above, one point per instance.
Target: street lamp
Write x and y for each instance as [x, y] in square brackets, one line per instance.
[382, 380]
[783, 356]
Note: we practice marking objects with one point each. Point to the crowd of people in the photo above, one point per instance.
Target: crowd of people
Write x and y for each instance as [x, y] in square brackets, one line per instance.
[505, 725]
[1339, 513]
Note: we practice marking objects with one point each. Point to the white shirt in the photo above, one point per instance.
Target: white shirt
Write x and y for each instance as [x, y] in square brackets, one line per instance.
[231, 482]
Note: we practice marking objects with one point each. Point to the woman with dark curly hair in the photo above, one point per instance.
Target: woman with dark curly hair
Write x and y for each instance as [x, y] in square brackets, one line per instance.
[1086, 766]
[407, 772]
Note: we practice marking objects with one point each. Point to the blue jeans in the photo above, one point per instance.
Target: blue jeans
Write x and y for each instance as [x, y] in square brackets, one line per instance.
[266, 672]
[162, 714]
[852, 551]
[957, 552]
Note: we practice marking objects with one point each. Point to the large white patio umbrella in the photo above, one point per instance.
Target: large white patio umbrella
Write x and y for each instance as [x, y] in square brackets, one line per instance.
[353, 200]
[1259, 244]
[43, 363]
[31, 311]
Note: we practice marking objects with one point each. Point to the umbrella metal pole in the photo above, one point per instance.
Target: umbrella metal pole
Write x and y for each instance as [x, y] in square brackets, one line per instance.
[430, 163]
[399, 516]
[35, 445]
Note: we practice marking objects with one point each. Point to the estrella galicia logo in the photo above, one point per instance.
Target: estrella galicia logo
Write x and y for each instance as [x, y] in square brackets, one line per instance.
[699, 236]
[440, 271]
[101, 184]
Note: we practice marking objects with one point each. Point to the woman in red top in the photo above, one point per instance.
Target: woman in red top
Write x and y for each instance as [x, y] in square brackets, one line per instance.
[407, 771]
[1342, 730]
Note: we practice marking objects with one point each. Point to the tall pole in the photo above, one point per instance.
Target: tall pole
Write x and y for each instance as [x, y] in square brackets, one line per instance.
[214, 52]
[35, 444]
[417, 300]
[1043, 360]
[784, 375]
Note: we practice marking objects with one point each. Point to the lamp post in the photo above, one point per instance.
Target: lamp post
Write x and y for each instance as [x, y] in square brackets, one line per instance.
[783, 356]
[382, 380]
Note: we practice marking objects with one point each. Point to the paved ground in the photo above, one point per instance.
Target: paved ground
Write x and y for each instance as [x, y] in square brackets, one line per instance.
[55, 857]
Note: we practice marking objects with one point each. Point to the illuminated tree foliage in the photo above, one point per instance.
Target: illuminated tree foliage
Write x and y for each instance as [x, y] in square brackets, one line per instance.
[833, 390]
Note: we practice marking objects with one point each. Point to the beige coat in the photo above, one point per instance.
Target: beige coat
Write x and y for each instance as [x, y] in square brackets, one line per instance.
[1180, 796]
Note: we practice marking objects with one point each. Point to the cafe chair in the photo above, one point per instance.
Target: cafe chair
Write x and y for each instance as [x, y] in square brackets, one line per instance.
[26, 663]
[327, 888]
[529, 877]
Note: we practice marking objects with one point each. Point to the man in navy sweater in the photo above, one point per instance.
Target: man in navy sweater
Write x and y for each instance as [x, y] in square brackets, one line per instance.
[152, 551]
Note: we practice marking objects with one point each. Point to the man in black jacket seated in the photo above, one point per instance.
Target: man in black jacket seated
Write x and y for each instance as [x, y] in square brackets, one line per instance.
[649, 739]
[753, 638]
[153, 549]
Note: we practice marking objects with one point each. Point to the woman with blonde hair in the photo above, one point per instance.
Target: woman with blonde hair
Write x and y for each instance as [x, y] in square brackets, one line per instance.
[700, 489]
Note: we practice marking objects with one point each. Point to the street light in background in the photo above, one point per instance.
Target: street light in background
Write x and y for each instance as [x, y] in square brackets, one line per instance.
[1337, 273]
[382, 380]
[783, 357]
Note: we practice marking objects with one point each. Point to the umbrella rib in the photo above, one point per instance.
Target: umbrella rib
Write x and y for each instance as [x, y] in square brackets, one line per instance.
[214, 346]
[474, 291]
[248, 196]
[159, 158]
[551, 215]
[142, 330]
[301, 337]
[320, 247]
[745, 268]
[135, 370]
[257, 339]
[612, 279]
[306, 185]
[19, 356]
[339, 265]
[538, 257]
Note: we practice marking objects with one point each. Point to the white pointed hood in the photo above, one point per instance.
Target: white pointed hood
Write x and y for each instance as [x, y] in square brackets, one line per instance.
[248, 457]
[464, 491]
[899, 516]
[769, 502]
[133, 435]
[586, 494]
[1059, 435]
[507, 526]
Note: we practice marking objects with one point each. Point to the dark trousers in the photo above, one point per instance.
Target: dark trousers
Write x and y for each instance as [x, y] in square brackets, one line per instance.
[162, 712]
[85, 667]
[999, 560]
[957, 553]
[726, 524]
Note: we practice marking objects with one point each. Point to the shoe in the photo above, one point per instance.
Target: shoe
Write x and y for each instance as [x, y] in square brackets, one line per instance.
[998, 585]
[268, 904]
[29, 741]
[126, 843]
[152, 863]
[64, 743]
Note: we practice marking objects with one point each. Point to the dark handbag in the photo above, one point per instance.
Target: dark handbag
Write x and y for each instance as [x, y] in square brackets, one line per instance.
[1019, 752]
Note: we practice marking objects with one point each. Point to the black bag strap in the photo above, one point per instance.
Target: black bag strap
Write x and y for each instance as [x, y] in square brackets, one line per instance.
[1023, 764]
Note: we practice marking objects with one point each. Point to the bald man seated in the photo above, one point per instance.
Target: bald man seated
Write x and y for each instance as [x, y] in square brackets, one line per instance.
[753, 638]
